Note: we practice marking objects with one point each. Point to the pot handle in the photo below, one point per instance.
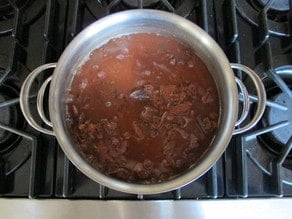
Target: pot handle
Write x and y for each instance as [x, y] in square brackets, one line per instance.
[24, 99]
[246, 102]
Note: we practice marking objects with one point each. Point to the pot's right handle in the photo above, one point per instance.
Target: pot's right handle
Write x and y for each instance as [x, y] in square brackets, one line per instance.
[261, 103]
[24, 99]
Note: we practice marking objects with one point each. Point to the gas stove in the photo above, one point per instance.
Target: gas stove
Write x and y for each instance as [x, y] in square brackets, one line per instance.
[256, 33]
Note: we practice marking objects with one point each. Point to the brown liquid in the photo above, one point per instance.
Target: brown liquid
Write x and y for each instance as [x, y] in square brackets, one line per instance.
[143, 108]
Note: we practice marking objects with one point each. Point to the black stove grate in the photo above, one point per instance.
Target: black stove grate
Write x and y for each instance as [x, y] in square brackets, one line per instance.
[256, 33]
[28, 38]
[266, 47]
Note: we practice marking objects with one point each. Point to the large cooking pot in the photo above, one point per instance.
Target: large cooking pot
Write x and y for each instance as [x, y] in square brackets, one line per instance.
[144, 21]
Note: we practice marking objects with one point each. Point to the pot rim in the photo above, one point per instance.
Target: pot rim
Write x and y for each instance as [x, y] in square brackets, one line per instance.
[211, 157]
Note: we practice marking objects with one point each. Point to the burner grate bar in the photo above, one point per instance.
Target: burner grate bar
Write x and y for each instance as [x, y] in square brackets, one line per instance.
[285, 151]
[204, 16]
[140, 196]
[113, 3]
[213, 182]
[277, 179]
[17, 132]
[268, 5]
[168, 5]
[12, 102]
[9, 102]
[242, 178]
[263, 27]
[253, 135]
[67, 180]
[2, 176]
[34, 179]
[76, 19]
[290, 19]
[102, 191]
[277, 168]
[232, 26]
[177, 194]
[254, 99]
[140, 4]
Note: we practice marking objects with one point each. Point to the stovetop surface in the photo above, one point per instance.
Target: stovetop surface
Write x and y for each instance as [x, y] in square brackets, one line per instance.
[256, 33]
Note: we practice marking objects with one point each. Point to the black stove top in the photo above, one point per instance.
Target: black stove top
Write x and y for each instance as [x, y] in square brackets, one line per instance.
[257, 33]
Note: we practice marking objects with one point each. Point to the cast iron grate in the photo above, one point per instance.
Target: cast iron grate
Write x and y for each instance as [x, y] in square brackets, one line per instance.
[261, 166]
[28, 38]
[276, 14]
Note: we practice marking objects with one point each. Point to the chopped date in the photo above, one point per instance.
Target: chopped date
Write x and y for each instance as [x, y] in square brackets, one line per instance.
[122, 161]
[141, 171]
[207, 97]
[156, 120]
[167, 162]
[158, 102]
[121, 173]
[127, 135]
[179, 164]
[182, 132]
[164, 176]
[183, 121]
[138, 131]
[148, 164]
[193, 141]
[149, 89]
[124, 146]
[115, 141]
[167, 91]
[109, 126]
[154, 133]
[148, 113]
[93, 131]
[117, 147]
[192, 91]
[182, 96]
[81, 118]
[75, 110]
[180, 109]
[204, 123]
[168, 148]
[187, 152]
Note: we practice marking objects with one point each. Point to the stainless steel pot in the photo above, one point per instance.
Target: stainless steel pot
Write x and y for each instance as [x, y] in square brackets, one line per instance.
[150, 21]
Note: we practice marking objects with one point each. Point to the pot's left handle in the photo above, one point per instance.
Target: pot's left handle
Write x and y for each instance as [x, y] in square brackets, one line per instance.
[24, 99]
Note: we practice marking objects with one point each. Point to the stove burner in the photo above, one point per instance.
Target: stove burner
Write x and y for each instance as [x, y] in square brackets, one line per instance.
[277, 14]
[140, 3]
[273, 116]
[277, 5]
[275, 140]
[11, 115]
